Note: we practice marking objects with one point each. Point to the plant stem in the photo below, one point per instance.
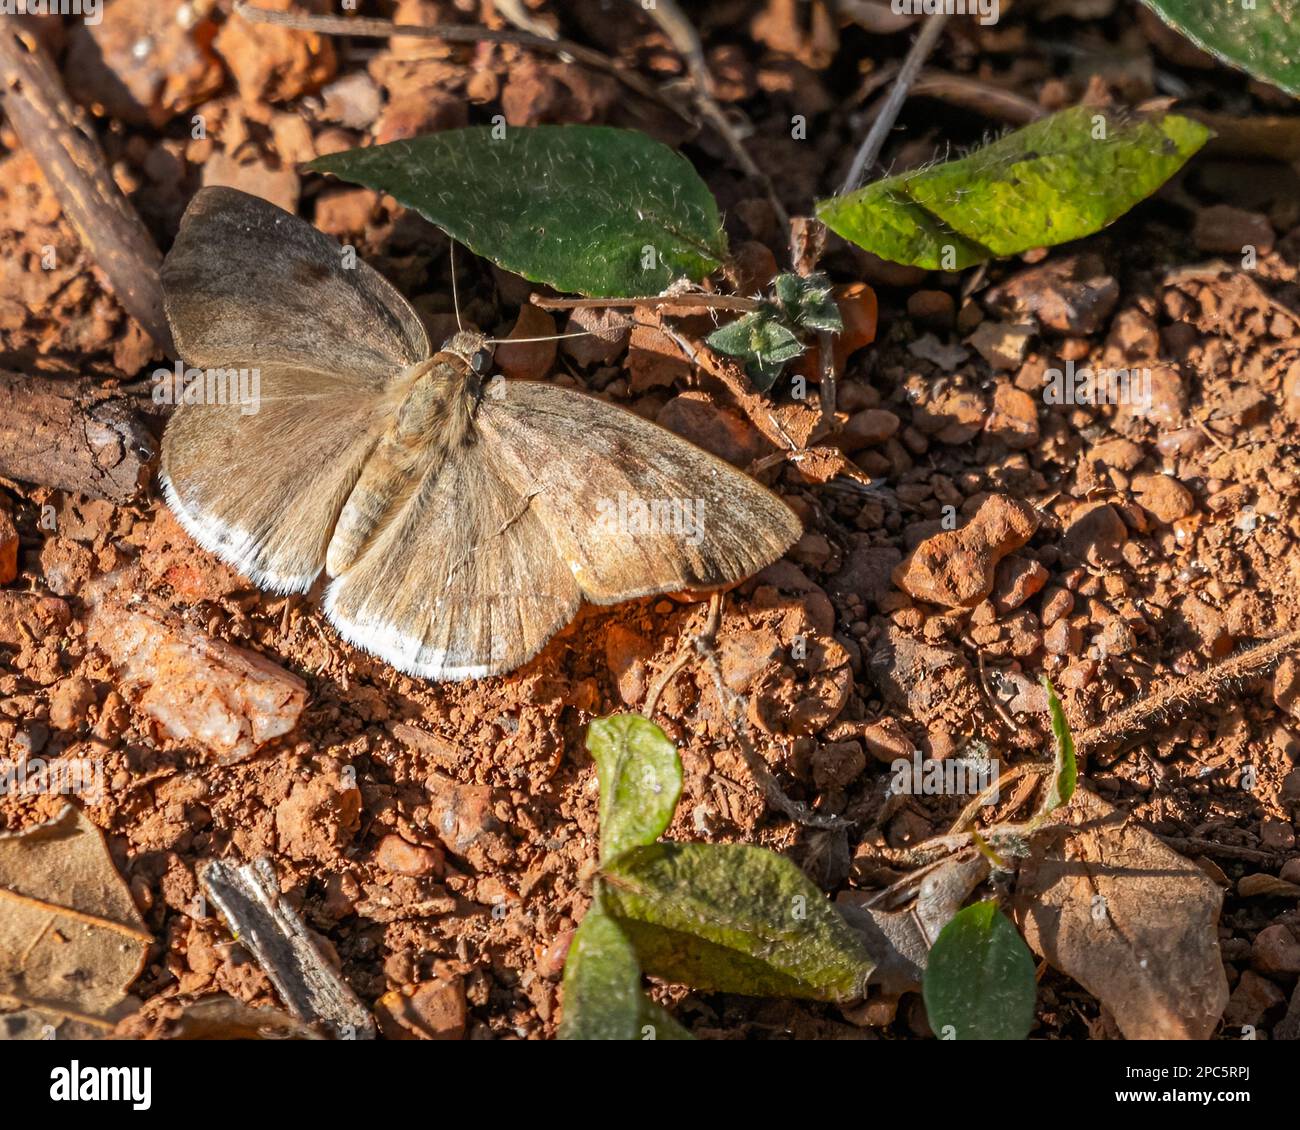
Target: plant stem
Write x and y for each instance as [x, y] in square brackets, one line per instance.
[874, 142]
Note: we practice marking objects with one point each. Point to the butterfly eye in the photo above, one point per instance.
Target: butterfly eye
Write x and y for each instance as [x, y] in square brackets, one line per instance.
[479, 361]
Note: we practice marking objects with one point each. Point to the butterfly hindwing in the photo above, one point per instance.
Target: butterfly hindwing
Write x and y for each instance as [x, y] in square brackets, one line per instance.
[262, 490]
[462, 581]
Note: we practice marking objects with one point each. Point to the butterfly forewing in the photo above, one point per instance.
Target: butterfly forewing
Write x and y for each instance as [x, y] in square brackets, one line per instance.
[630, 507]
[247, 281]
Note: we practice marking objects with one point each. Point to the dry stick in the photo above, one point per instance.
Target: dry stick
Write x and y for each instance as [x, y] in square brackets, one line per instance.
[1134, 722]
[681, 33]
[364, 28]
[49, 128]
[874, 142]
[72, 435]
[661, 302]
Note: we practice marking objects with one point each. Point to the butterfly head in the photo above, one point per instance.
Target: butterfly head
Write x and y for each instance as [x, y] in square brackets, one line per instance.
[472, 348]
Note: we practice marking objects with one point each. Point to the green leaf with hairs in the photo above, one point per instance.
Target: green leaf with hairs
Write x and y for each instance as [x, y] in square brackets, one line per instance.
[640, 778]
[733, 918]
[1058, 179]
[592, 209]
[1263, 40]
[979, 979]
[602, 989]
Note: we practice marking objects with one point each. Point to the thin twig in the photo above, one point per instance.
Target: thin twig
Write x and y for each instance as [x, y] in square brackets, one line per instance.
[58, 137]
[366, 28]
[874, 142]
[1131, 724]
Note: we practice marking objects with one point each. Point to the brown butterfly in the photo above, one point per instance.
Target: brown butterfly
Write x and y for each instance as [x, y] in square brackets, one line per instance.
[462, 519]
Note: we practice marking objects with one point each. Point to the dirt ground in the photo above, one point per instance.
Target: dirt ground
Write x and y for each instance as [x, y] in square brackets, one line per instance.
[1164, 541]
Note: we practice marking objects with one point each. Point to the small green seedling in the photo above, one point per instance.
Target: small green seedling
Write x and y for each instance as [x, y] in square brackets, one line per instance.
[722, 917]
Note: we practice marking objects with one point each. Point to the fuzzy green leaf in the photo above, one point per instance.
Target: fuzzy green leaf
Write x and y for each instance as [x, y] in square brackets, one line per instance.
[1061, 178]
[602, 989]
[601, 211]
[640, 778]
[762, 342]
[733, 918]
[1263, 40]
[979, 980]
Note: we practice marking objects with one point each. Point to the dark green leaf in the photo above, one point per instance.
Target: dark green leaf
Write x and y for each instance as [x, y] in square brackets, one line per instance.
[761, 342]
[979, 981]
[1065, 771]
[600, 211]
[734, 918]
[640, 780]
[1055, 180]
[1263, 40]
[602, 984]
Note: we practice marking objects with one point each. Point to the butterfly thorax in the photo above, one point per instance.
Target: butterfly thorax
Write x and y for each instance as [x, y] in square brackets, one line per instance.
[434, 417]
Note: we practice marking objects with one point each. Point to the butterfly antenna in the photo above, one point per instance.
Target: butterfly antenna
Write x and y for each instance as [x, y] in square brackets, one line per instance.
[455, 294]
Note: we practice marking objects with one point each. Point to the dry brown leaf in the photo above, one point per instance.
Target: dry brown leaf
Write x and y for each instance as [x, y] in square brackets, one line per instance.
[1129, 919]
[211, 1018]
[71, 939]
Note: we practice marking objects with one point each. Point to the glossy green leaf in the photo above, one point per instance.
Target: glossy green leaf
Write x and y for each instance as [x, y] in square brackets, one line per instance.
[1065, 770]
[1262, 39]
[979, 980]
[734, 918]
[640, 777]
[1057, 179]
[601, 211]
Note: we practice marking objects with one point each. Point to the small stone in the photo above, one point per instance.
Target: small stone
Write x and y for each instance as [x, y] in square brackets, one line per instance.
[401, 857]
[697, 417]
[411, 114]
[435, 1010]
[1002, 344]
[319, 818]
[66, 565]
[627, 653]
[463, 819]
[145, 63]
[257, 175]
[1015, 581]
[1116, 638]
[274, 64]
[1167, 405]
[224, 698]
[345, 212]
[1277, 835]
[654, 360]
[1286, 686]
[1291, 786]
[837, 764]
[1096, 534]
[1222, 229]
[1057, 603]
[352, 101]
[955, 568]
[528, 360]
[1206, 625]
[887, 741]
[1252, 999]
[1014, 419]
[1275, 950]
[1062, 638]
[70, 702]
[605, 334]
[933, 308]
[812, 550]
[1164, 497]
[1073, 295]
[866, 571]
[868, 428]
